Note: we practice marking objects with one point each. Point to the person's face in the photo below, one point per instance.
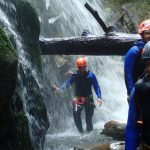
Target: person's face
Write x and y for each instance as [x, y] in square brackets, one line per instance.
[146, 35]
[148, 68]
[82, 69]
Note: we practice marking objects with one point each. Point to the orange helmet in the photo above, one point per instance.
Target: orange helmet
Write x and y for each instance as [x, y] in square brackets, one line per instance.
[81, 62]
[144, 26]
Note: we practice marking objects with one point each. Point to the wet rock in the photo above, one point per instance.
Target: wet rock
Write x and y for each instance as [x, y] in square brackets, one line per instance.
[8, 76]
[15, 132]
[28, 27]
[102, 147]
[117, 146]
[115, 130]
[112, 146]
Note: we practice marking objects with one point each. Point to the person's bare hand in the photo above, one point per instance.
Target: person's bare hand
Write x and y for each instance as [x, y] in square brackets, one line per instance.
[54, 87]
[99, 102]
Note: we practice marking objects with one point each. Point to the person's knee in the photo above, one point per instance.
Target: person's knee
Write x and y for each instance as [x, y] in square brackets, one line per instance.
[76, 114]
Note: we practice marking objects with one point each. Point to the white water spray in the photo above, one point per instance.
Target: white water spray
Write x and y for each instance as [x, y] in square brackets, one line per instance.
[109, 70]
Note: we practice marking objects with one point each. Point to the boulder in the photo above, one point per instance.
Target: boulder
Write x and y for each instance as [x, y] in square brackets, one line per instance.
[8, 76]
[110, 146]
[115, 130]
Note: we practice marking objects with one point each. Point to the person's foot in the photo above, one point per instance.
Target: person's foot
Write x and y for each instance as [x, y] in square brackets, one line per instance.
[84, 135]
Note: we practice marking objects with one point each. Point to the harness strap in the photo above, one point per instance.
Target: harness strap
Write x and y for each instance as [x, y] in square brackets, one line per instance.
[80, 100]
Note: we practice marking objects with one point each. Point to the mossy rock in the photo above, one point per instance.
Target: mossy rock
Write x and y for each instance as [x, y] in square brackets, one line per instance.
[23, 132]
[37, 109]
[28, 22]
[8, 76]
[28, 26]
[7, 52]
[8, 65]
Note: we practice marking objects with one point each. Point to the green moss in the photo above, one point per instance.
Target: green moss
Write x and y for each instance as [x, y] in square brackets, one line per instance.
[7, 52]
[143, 9]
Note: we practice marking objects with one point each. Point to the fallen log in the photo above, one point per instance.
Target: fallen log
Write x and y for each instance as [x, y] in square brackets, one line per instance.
[108, 44]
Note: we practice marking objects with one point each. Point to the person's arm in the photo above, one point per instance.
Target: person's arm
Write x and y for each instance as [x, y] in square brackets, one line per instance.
[132, 140]
[129, 65]
[97, 89]
[65, 85]
[68, 83]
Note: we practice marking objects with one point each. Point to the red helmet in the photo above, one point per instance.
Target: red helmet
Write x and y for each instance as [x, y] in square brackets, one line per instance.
[81, 62]
[144, 26]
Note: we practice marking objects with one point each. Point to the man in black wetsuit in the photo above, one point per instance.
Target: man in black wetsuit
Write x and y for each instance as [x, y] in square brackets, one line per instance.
[138, 125]
[84, 80]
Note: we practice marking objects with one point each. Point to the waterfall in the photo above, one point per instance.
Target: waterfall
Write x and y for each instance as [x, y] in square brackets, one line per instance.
[70, 18]
[66, 18]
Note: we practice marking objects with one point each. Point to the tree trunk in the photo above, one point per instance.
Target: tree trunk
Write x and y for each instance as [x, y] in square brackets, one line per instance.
[108, 44]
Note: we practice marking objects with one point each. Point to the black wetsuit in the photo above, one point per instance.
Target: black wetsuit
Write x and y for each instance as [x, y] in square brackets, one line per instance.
[142, 99]
[83, 88]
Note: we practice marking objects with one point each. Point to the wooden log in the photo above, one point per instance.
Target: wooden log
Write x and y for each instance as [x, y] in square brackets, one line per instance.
[97, 17]
[108, 44]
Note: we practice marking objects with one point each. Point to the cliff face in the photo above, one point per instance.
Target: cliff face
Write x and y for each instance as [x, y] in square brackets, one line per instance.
[128, 13]
[17, 132]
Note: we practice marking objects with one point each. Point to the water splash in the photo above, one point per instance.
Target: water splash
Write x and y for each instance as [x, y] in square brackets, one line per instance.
[109, 70]
[73, 19]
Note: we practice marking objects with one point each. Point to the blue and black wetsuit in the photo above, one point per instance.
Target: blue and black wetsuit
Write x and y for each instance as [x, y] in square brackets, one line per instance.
[132, 140]
[83, 88]
[139, 108]
[133, 66]
[83, 84]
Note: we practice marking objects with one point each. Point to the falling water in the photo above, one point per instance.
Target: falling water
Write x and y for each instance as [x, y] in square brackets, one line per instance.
[63, 18]
[69, 18]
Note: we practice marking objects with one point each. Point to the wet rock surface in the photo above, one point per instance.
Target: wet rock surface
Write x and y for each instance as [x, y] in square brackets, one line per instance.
[115, 130]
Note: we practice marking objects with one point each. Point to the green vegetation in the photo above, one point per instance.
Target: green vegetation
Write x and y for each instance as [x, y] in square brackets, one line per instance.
[142, 7]
[7, 52]
[128, 13]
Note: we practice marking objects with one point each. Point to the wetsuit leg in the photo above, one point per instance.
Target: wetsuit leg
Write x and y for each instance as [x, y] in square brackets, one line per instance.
[89, 111]
[77, 116]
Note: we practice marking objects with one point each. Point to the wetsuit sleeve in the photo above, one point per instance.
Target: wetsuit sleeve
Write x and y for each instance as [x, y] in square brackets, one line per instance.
[129, 66]
[96, 86]
[68, 83]
[131, 128]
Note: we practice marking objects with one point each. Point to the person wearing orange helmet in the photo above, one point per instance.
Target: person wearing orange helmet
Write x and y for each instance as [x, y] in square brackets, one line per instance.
[138, 124]
[84, 80]
[133, 66]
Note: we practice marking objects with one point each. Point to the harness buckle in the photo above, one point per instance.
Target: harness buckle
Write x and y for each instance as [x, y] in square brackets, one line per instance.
[80, 100]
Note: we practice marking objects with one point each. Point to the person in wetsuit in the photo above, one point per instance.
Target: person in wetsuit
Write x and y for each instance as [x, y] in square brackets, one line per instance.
[84, 80]
[133, 66]
[138, 124]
